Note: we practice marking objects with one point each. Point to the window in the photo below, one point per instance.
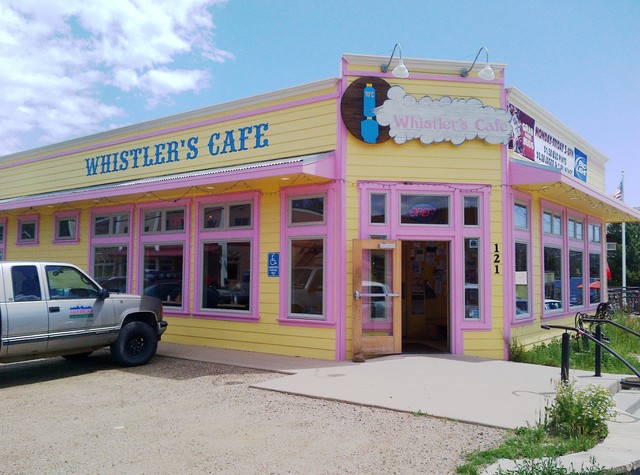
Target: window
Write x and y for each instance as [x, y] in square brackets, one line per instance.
[595, 278]
[307, 210]
[575, 229]
[26, 284]
[471, 211]
[595, 233]
[522, 280]
[66, 226]
[228, 256]
[28, 230]
[110, 245]
[307, 262]
[424, 209]
[471, 281]
[521, 216]
[68, 283]
[553, 282]
[552, 223]
[111, 224]
[576, 280]
[378, 208]
[163, 270]
[3, 227]
[163, 221]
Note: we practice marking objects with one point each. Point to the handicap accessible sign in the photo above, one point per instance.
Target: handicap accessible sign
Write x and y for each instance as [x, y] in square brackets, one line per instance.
[273, 264]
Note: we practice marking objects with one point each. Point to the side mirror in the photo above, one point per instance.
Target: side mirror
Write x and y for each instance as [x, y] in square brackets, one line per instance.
[103, 294]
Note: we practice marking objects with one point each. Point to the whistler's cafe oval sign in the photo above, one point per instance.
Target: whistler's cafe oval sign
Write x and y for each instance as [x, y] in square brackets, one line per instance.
[374, 112]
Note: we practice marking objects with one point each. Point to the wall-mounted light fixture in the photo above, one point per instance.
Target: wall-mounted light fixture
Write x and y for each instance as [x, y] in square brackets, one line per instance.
[400, 71]
[485, 73]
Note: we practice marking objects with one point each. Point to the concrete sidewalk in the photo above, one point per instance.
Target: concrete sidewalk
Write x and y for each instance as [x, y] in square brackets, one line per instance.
[474, 390]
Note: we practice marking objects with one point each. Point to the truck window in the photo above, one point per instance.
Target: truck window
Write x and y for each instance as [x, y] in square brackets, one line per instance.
[69, 283]
[26, 286]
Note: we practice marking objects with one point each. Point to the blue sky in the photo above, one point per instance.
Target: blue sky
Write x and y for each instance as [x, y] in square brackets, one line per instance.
[75, 68]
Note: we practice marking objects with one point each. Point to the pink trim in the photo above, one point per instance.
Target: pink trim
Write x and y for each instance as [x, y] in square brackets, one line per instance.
[191, 125]
[323, 168]
[181, 237]
[320, 231]
[61, 215]
[26, 219]
[519, 235]
[252, 235]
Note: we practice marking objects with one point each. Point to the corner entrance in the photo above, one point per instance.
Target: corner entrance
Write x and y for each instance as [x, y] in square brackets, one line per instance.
[426, 307]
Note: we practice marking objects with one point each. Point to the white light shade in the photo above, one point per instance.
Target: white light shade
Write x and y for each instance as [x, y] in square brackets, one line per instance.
[487, 73]
[400, 71]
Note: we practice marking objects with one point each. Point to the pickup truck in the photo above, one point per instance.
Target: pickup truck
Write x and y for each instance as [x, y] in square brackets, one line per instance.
[55, 309]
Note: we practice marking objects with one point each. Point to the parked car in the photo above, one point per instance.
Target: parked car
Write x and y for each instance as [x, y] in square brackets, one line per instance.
[55, 309]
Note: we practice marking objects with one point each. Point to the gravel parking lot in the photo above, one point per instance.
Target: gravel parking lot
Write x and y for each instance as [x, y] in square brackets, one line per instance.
[189, 417]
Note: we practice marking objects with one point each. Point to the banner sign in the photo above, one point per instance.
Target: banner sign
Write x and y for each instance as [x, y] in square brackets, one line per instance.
[538, 143]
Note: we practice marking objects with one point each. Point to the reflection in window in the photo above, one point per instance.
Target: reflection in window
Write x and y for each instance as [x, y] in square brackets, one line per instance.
[378, 210]
[576, 284]
[113, 224]
[163, 221]
[471, 282]
[226, 274]
[471, 211]
[27, 231]
[227, 216]
[595, 278]
[110, 267]
[69, 283]
[522, 279]
[26, 285]
[424, 209]
[307, 281]
[307, 210]
[521, 216]
[552, 278]
[163, 264]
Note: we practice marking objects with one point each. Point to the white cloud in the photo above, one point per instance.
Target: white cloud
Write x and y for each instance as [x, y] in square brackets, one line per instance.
[59, 56]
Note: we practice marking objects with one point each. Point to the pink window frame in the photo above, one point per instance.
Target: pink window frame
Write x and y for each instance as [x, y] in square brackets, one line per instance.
[167, 238]
[577, 245]
[26, 219]
[109, 241]
[559, 242]
[229, 235]
[523, 236]
[290, 231]
[597, 248]
[60, 215]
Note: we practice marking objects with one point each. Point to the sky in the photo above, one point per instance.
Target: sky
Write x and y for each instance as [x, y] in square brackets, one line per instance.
[74, 68]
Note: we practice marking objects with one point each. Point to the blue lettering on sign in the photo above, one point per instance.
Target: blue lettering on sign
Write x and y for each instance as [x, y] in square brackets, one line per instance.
[165, 153]
[273, 264]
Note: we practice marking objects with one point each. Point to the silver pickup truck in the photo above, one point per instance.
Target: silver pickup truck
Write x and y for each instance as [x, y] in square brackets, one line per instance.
[55, 309]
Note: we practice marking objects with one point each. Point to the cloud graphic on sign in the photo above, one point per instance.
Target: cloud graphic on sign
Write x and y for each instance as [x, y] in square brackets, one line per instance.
[444, 119]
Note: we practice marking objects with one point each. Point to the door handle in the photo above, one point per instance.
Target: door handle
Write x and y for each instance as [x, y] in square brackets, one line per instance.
[54, 309]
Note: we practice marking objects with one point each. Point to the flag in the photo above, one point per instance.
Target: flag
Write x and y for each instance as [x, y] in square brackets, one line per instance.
[618, 193]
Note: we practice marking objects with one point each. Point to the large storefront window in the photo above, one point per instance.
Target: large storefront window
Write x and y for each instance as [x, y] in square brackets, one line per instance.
[595, 278]
[307, 281]
[522, 280]
[163, 270]
[552, 279]
[424, 209]
[576, 281]
[471, 279]
[110, 249]
[226, 270]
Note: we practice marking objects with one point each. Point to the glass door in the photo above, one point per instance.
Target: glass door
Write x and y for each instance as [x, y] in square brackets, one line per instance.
[377, 319]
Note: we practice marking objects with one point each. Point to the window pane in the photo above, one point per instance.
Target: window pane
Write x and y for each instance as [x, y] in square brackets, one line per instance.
[522, 279]
[307, 210]
[66, 229]
[152, 221]
[240, 215]
[110, 267]
[28, 231]
[424, 209]
[1, 233]
[471, 283]
[579, 231]
[557, 225]
[26, 285]
[546, 222]
[226, 275]
[68, 283]
[595, 279]
[378, 208]
[174, 220]
[471, 210]
[521, 216]
[552, 278]
[576, 284]
[213, 217]
[163, 272]
[571, 229]
[306, 285]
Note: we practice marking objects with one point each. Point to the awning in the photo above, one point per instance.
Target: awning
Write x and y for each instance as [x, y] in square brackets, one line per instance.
[318, 165]
[560, 188]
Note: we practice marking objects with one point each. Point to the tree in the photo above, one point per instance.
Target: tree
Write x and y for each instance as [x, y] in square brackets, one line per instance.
[614, 233]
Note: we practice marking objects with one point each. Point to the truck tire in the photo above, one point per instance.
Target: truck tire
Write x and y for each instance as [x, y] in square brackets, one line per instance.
[136, 344]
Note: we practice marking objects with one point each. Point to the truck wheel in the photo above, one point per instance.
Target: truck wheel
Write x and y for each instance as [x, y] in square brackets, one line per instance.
[136, 344]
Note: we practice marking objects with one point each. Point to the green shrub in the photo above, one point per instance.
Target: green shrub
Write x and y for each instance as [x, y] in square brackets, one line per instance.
[577, 412]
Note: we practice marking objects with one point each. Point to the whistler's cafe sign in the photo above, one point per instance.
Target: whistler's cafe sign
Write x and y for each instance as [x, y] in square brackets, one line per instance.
[374, 112]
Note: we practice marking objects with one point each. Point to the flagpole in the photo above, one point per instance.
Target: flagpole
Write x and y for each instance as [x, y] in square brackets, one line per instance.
[624, 239]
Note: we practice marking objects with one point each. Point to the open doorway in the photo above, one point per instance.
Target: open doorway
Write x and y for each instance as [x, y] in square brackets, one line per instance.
[426, 303]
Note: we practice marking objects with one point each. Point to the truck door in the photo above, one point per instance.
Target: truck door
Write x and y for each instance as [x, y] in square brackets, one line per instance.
[26, 319]
[77, 317]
